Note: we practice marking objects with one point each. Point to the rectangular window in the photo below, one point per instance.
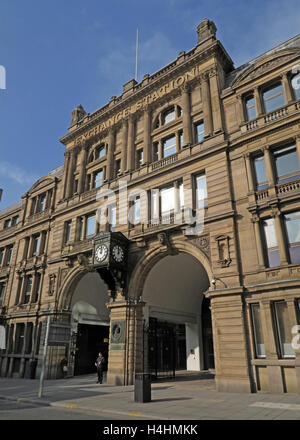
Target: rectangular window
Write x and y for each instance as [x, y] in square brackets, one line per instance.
[137, 210]
[286, 162]
[98, 179]
[99, 152]
[118, 167]
[28, 342]
[7, 223]
[283, 328]
[167, 199]
[27, 291]
[112, 217]
[201, 191]
[2, 291]
[250, 108]
[168, 116]
[90, 225]
[1, 256]
[42, 202]
[199, 131]
[271, 243]
[292, 223]
[260, 173]
[37, 282]
[181, 139]
[155, 152]
[15, 220]
[257, 332]
[296, 86]
[9, 251]
[169, 146]
[68, 229]
[20, 330]
[88, 182]
[273, 98]
[140, 158]
[35, 244]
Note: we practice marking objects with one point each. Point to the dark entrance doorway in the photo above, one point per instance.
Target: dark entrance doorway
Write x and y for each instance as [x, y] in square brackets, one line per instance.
[208, 346]
[91, 339]
[166, 348]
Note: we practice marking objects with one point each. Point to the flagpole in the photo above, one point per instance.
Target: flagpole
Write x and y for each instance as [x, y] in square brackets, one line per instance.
[136, 54]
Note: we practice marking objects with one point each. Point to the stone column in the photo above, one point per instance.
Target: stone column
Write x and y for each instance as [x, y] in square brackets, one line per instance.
[160, 149]
[258, 103]
[241, 111]
[83, 159]
[186, 115]
[215, 101]
[147, 131]
[287, 88]
[280, 237]
[71, 169]
[206, 100]
[177, 142]
[110, 154]
[258, 240]
[269, 165]
[66, 168]
[124, 145]
[130, 144]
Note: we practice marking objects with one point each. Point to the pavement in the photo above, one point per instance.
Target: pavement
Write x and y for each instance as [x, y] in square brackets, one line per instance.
[188, 397]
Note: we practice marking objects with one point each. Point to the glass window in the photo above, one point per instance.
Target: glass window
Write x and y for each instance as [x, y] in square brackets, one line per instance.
[7, 223]
[181, 195]
[15, 220]
[168, 116]
[90, 225]
[292, 223]
[154, 205]
[257, 332]
[155, 151]
[28, 287]
[42, 202]
[112, 217]
[169, 146]
[98, 178]
[68, 228]
[167, 199]
[250, 108]
[2, 290]
[201, 191]
[28, 342]
[9, 251]
[273, 98]
[1, 255]
[20, 329]
[118, 166]
[271, 243]
[99, 152]
[260, 173]
[283, 328]
[35, 244]
[140, 158]
[296, 86]
[181, 139]
[200, 131]
[36, 287]
[287, 164]
[137, 210]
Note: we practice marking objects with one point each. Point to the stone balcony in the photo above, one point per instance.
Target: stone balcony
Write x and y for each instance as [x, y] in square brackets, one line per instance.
[39, 216]
[280, 190]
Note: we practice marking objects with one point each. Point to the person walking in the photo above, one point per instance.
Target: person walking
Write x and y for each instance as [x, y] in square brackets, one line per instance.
[64, 367]
[100, 365]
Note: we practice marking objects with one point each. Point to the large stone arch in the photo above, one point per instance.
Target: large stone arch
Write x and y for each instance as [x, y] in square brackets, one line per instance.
[68, 285]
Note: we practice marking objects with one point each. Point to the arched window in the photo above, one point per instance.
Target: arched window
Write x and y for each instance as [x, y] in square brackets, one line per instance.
[168, 115]
[97, 153]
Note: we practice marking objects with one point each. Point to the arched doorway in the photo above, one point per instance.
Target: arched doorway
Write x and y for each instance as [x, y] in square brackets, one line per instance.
[177, 316]
[89, 322]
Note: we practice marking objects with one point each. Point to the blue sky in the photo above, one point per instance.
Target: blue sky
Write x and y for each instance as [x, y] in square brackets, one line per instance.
[59, 54]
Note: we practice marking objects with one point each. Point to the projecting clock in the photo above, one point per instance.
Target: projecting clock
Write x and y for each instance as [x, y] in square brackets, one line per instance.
[118, 253]
[101, 252]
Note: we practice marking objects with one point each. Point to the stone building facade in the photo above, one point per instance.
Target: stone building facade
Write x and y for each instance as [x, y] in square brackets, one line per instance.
[206, 135]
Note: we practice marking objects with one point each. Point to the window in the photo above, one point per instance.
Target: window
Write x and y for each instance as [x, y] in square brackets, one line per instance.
[90, 225]
[257, 332]
[27, 291]
[36, 289]
[28, 342]
[296, 86]
[273, 98]
[135, 211]
[99, 152]
[168, 116]
[20, 330]
[15, 220]
[1, 255]
[250, 108]
[140, 158]
[287, 164]
[2, 291]
[98, 178]
[155, 152]
[169, 146]
[68, 229]
[181, 139]
[164, 201]
[283, 328]
[42, 202]
[260, 173]
[292, 223]
[35, 244]
[112, 217]
[167, 199]
[271, 243]
[199, 131]
[7, 223]
[118, 167]
[201, 191]
[9, 251]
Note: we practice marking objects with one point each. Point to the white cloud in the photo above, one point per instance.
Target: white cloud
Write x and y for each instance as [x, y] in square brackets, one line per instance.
[16, 174]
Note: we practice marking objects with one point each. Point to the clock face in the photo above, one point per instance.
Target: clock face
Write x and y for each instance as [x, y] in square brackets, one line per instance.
[101, 252]
[118, 253]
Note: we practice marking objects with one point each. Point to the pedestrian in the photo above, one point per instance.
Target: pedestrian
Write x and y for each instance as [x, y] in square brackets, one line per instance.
[64, 367]
[100, 365]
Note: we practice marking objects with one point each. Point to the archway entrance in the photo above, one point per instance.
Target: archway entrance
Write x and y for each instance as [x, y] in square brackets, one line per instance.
[178, 333]
[90, 323]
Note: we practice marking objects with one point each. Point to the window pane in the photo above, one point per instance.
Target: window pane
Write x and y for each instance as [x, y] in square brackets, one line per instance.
[250, 107]
[169, 146]
[2, 290]
[200, 131]
[260, 172]
[90, 225]
[273, 98]
[284, 329]
[271, 242]
[1, 255]
[292, 222]
[140, 157]
[169, 116]
[286, 160]
[137, 210]
[181, 139]
[35, 245]
[113, 217]
[98, 178]
[9, 254]
[167, 199]
[154, 204]
[155, 151]
[201, 191]
[68, 231]
[181, 195]
[296, 86]
[258, 336]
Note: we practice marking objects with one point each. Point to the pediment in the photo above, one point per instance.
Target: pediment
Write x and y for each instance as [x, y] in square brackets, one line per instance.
[41, 183]
[266, 64]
